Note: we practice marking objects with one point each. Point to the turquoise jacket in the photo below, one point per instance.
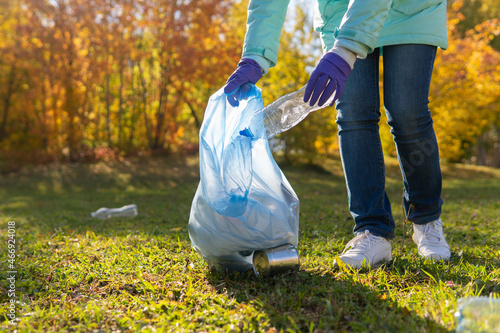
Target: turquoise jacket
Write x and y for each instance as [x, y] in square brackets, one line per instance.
[358, 25]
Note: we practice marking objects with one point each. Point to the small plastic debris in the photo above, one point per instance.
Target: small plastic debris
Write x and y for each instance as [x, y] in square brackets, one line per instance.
[107, 213]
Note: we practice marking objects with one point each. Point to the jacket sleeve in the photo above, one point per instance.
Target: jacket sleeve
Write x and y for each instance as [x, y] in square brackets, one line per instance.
[361, 25]
[264, 25]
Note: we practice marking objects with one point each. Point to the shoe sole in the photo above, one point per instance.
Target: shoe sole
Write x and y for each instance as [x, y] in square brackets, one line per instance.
[433, 257]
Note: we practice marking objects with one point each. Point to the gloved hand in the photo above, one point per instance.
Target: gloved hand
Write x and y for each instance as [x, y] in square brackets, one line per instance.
[248, 71]
[330, 75]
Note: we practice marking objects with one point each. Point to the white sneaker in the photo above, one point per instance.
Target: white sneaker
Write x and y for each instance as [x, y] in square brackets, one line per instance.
[366, 250]
[430, 240]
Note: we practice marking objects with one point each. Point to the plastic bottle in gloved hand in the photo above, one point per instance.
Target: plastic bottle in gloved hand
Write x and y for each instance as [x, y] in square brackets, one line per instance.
[325, 86]
[282, 114]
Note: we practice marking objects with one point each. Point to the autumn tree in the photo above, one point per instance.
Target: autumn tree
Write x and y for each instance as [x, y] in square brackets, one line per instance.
[8, 46]
[80, 76]
[94, 79]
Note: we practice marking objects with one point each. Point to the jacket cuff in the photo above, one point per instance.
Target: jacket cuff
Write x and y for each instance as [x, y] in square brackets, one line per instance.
[352, 46]
[264, 63]
[354, 42]
[347, 55]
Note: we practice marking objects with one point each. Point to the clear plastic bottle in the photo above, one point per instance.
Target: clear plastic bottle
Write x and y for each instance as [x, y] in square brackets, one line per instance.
[478, 314]
[283, 114]
[106, 213]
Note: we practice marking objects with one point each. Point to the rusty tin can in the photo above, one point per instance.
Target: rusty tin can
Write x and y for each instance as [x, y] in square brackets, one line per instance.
[276, 260]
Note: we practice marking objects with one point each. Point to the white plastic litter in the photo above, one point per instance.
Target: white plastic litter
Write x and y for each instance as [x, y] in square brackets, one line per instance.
[478, 314]
[106, 213]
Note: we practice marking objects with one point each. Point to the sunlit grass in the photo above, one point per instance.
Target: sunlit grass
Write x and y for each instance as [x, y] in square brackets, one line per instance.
[76, 273]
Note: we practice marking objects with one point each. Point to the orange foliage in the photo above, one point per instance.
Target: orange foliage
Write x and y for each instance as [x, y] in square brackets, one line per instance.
[78, 78]
[104, 73]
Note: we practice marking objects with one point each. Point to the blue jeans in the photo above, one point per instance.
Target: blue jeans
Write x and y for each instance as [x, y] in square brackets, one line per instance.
[407, 76]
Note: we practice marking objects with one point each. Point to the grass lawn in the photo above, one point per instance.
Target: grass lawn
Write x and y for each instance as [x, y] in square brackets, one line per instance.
[75, 273]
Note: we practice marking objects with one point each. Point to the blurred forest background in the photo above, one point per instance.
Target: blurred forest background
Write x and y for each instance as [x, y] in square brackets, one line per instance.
[104, 79]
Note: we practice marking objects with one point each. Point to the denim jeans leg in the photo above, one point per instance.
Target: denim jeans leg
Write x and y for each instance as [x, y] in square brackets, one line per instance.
[407, 77]
[358, 115]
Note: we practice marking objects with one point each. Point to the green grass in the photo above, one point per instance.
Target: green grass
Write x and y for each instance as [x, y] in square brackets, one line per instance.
[75, 273]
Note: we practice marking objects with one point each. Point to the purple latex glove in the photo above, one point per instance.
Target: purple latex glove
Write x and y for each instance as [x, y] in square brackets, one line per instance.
[330, 75]
[248, 71]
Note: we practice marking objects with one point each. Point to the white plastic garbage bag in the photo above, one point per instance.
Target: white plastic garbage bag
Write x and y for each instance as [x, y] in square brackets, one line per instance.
[243, 202]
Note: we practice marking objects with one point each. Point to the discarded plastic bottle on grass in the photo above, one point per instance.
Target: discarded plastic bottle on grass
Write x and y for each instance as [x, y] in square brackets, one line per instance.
[106, 213]
[478, 314]
[284, 113]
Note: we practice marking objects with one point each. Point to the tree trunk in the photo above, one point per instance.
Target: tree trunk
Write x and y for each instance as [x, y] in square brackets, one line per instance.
[160, 118]
[43, 120]
[120, 102]
[7, 103]
[496, 148]
[144, 105]
[133, 113]
[193, 113]
[108, 111]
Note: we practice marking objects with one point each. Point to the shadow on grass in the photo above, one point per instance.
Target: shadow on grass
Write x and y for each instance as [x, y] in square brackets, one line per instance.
[309, 301]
